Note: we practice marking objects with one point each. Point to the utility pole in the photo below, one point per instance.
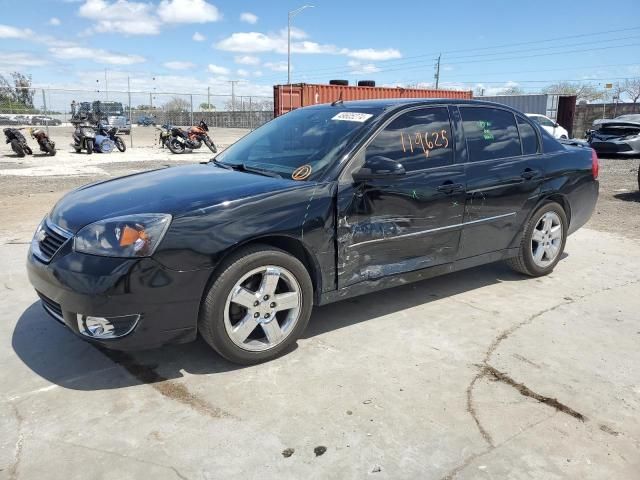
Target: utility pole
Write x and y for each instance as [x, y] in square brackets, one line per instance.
[233, 94]
[437, 75]
[208, 98]
[129, 94]
[106, 86]
[292, 14]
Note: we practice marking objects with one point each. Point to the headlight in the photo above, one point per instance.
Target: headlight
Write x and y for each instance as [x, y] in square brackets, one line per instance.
[128, 236]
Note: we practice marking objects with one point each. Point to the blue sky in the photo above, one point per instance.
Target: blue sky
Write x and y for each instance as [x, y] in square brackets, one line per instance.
[189, 45]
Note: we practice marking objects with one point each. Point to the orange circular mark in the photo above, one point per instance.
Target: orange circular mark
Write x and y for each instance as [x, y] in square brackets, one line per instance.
[301, 173]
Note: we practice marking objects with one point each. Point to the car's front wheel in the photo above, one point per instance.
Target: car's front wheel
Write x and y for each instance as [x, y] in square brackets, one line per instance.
[258, 305]
[542, 242]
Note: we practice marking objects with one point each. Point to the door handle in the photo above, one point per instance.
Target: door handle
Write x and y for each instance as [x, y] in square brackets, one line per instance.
[528, 174]
[450, 187]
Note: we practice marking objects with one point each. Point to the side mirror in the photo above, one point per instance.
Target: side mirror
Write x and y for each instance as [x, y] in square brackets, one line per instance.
[379, 167]
[556, 125]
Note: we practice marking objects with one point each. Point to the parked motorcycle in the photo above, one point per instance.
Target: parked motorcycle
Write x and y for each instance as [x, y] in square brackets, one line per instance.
[46, 144]
[192, 139]
[84, 138]
[112, 133]
[17, 141]
[164, 134]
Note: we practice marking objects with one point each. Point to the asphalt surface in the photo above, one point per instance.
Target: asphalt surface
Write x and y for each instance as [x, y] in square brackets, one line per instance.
[479, 374]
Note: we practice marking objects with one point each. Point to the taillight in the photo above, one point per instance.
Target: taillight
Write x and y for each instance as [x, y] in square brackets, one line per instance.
[595, 167]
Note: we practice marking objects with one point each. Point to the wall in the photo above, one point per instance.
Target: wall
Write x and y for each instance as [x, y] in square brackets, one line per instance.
[586, 114]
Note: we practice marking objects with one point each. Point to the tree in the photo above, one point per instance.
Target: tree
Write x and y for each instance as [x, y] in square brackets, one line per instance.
[17, 92]
[207, 106]
[512, 90]
[632, 88]
[582, 91]
[177, 104]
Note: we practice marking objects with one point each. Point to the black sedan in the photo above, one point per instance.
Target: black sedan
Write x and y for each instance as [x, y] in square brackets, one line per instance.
[618, 136]
[320, 204]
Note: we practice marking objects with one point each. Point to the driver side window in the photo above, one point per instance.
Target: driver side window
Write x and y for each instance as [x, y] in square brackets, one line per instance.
[418, 139]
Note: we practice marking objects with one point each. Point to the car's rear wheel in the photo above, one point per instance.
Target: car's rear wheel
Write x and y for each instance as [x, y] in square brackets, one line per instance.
[542, 242]
[258, 305]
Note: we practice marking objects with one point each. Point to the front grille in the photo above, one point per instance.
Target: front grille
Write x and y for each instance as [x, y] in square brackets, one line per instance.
[50, 240]
[52, 308]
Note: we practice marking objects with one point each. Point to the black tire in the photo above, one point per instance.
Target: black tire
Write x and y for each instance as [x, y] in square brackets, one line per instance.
[27, 150]
[49, 149]
[211, 320]
[366, 83]
[209, 143]
[638, 177]
[89, 144]
[175, 146]
[339, 82]
[120, 144]
[524, 262]
[17, 147]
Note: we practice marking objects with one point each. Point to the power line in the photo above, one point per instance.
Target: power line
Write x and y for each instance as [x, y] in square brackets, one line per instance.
[403, 61]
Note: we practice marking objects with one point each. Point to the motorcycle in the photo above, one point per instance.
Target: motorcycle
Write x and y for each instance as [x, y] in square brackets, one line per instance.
[17, 141]
[164, 135]
[46, 144]
[191, 139]
[84, 138]
[112, 134]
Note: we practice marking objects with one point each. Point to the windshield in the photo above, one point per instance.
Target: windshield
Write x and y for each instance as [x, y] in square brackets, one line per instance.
[629, 118]
[300, 144]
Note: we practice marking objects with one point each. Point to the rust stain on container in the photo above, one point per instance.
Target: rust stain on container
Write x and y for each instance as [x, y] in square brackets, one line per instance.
[290, 97]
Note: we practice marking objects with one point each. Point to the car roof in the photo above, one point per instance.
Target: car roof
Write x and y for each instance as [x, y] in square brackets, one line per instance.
[396, 103]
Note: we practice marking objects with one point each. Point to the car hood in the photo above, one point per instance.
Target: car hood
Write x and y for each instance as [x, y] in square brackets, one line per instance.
[175, 190]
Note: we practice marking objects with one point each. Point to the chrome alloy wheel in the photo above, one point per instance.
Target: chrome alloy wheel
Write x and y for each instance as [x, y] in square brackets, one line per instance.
[546, 239]
[263, 308]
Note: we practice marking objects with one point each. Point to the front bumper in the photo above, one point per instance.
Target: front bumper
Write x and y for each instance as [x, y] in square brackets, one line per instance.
[167, 301]
[615, 147]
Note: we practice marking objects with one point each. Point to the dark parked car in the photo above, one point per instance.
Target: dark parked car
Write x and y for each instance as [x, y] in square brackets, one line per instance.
[619, 136]
[120, 122]
[321, 204]
[146, 121]
[44, 120]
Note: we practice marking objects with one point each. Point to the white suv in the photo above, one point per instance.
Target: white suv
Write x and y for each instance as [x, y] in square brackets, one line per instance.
[549, 125]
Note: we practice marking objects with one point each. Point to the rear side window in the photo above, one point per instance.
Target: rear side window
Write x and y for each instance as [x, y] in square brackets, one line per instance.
[528, 137]
[490, 132]
[417, 139]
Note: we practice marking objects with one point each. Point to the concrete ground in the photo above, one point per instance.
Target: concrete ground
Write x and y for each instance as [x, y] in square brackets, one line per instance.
[482, 374]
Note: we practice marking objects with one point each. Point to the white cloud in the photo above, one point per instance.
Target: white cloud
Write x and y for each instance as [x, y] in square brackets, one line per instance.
[178, 65]
[257, 73]
[252, 42]
[249, 42]
[121, 16]
[55, 21]
[247, 60]
[242, 72]
[218, 70]
[97, 55]
[21, 59]
[358, 68]
[248, 17]
[198, 37]
[7, 31]
[132, 17]
[277, 66]
[188, 11]
[373, 54]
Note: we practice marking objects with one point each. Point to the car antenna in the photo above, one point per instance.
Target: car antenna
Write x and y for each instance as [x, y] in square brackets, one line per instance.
[339, 100]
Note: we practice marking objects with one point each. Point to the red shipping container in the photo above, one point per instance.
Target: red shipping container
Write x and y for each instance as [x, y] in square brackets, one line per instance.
[290, 97]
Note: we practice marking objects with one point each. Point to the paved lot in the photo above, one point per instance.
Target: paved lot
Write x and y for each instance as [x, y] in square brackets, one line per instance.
[479, 374]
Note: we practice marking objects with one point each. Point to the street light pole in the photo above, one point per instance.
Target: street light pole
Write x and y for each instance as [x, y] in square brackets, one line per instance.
[292, 14]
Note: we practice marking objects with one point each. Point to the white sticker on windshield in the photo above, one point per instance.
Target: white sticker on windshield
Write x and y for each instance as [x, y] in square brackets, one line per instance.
[352, 116]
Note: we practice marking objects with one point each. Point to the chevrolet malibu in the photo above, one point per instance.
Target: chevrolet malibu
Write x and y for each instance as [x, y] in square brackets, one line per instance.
[321, 204]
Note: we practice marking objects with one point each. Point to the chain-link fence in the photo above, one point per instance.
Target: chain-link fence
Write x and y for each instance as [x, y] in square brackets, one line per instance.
[129, 110]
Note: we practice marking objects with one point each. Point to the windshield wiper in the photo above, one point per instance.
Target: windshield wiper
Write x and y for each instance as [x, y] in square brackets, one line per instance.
[218, 163]
[243, 167]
